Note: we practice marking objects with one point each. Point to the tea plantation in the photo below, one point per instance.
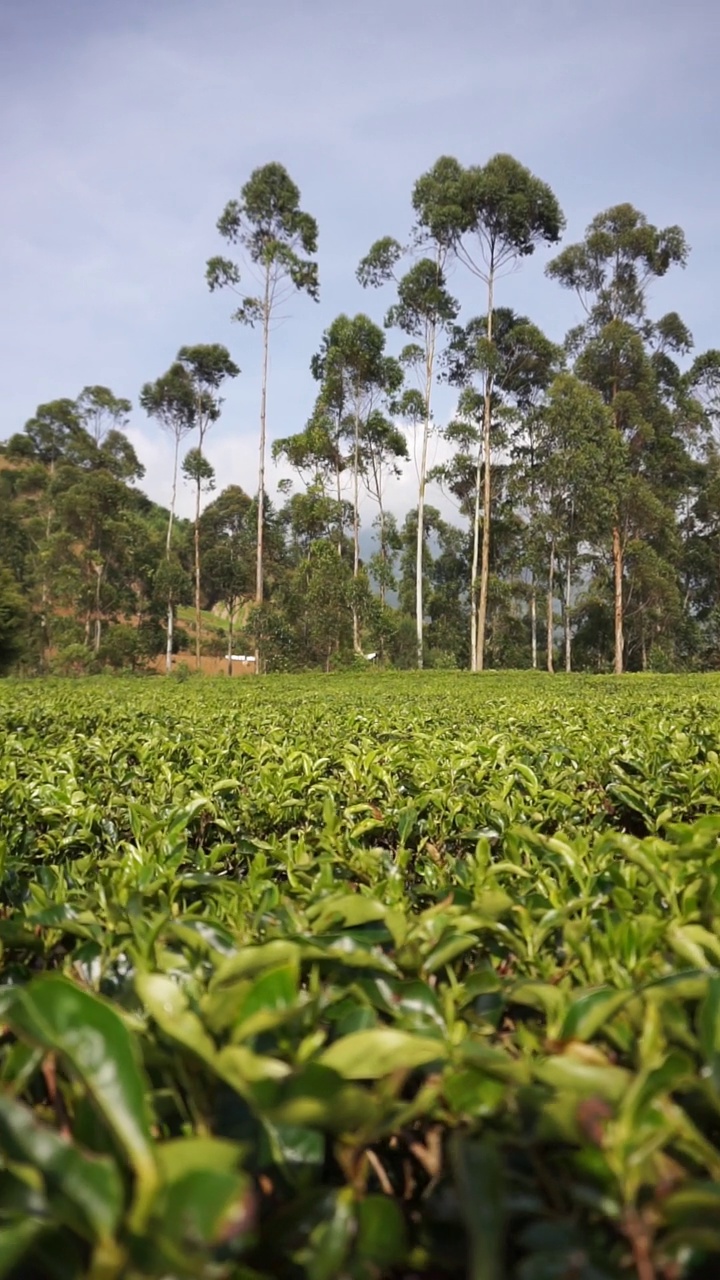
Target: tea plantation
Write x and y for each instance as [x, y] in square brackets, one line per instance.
[397, 977]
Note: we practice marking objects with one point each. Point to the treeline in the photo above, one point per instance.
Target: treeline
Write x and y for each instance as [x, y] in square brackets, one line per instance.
[586, 474]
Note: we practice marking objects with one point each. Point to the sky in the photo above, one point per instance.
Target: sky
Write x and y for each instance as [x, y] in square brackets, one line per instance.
[126, 127]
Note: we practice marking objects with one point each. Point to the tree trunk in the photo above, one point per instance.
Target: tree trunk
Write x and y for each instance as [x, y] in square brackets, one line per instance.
[356, 529]
[487, 489]
[168, 545]
[550, 609]
[533, 626]
[618, 609]
[339, 502]
[259, 581]
[169, 641]
[230, 640]
[45, 586]
[474, 565]
[383, 556]
[566, 614]
[97, 630]
[197, 574]
[430, 339]
[419, 549]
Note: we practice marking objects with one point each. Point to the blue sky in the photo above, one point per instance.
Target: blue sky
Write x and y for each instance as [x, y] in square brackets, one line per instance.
[125, 128]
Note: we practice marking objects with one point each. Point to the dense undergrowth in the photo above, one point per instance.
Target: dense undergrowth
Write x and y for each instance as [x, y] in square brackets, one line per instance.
[396, 976]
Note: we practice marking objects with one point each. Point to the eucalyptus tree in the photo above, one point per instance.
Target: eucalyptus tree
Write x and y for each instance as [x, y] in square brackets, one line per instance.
[576, 454]
[207, 367]
[423, 310]
[493, 216]
[171, 401]
[53, 439]
[384, 447]
[94, 507]
[227, 539]
[357, 379]
[519, 364]
[317, 455]
[611, 271]
[702, 381]
[277, 240]
[101, 412]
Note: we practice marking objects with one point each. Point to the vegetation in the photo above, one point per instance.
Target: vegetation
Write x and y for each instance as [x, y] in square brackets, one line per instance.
[584, 470]
[388, 977]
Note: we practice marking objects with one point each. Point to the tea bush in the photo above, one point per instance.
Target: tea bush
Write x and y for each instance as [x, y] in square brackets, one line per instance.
[410, 976]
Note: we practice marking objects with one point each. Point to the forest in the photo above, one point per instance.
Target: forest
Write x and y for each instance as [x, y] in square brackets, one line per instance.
[586, 475]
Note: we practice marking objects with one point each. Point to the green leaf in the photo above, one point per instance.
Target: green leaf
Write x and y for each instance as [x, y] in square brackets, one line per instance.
[708, 1021]
[16, 1240]
[478, 1178]
[381, 1233]
[331, 1240]
[168, 1006]
[86, 1191]
[349, 911]
[273, 992]
[206, 1199]
[368, 1055]
[584, 1078]
[92, 1039]
[589, 1012]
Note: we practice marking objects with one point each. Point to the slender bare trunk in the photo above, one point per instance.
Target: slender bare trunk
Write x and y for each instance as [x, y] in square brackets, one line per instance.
[356, 528]
[230, 640]
[618, 609]
[551, 609]
[533, 626]
[259, 581]
[169, 636]
[339, 502]
[643, 648]
[617, 555]
[197, 574]
[487, 490]
[168, 546]
[431, 338]
[566, 613]
[383, 554]
[474, 565]
[419, 548]
[45, 587]
[97, 621]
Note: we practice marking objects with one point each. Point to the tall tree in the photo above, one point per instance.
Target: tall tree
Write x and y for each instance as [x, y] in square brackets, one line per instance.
[277, 239]
[227, 539]
[384, 446]
[494, 215]
[171, 400]
[424, 308]
[357, 378]
[577, 455]
[317, 455]
[100, 412]
[611, 271]
[520, 364]
[207, 366]
[52, 439]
